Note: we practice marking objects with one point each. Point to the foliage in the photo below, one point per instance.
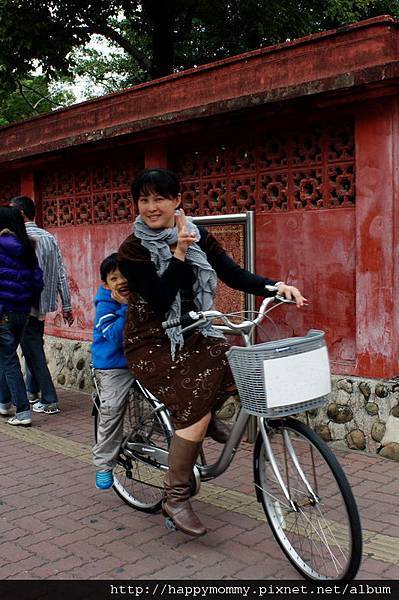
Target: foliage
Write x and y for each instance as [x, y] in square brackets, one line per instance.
[32, 97]
[150, 38]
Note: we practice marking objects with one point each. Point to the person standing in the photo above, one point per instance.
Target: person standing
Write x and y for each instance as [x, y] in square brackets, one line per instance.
[21, 281]
[38, 376]
[111, 370]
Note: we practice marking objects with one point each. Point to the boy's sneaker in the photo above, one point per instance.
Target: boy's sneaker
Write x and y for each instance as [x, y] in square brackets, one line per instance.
[27, 422]
[6, 412]
[104, 480]
[33, 398]
[48, 409]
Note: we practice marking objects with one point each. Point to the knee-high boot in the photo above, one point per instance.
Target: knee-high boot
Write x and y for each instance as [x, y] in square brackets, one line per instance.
[176, 505]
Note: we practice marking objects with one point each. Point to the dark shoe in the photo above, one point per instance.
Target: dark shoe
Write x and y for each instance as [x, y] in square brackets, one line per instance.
[217, 430]
[176, 505]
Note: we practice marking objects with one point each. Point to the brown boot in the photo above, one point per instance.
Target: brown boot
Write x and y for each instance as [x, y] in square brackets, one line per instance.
[176, 505]
[217, 430]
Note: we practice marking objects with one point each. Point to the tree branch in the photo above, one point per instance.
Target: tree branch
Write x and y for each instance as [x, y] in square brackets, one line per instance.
[21, 91]
[42, 96]
[111, 34]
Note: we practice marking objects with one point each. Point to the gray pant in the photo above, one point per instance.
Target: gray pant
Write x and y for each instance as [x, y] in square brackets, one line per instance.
[114, 385]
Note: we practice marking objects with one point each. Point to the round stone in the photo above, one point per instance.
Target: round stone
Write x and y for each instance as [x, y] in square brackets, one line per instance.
[339, 413]
[323, 432]
[356, 440]
[61, 379]
[345, 384]
[313, 412]
[365, 389]
[80, 364]
[377, 431]
[395, 411]
[381, 390]
[390, 451]
[372, 408]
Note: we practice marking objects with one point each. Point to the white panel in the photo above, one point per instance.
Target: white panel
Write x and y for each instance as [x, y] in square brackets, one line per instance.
[297, 378]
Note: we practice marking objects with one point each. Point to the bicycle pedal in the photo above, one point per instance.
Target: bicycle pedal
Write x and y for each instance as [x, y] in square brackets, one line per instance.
[170, 524]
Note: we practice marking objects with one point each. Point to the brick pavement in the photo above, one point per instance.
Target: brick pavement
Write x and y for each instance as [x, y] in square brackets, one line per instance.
[54, 524]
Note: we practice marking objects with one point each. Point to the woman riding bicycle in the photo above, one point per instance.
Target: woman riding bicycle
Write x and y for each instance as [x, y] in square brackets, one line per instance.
[172, 267]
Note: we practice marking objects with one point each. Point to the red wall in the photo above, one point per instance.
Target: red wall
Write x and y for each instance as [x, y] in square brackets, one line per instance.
[324, 190]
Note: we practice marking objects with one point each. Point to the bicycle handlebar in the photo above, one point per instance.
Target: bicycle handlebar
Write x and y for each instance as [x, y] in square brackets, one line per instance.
[193, 319]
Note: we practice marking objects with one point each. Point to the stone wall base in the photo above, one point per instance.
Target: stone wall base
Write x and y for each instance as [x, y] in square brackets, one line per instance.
[362, 413]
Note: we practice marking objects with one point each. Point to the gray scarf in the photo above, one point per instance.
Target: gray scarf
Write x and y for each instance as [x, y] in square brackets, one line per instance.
[158, 242]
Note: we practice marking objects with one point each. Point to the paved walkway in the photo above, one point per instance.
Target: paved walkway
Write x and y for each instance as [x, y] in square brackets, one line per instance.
[54, 524]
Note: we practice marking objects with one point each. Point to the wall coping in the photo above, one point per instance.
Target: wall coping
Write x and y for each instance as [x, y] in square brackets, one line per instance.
[357, 55]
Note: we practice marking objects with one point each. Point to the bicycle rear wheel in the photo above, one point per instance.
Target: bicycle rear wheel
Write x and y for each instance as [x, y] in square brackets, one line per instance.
[320, 534]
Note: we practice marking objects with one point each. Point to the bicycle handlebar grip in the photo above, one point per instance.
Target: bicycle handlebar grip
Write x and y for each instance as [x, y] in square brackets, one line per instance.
[185, 320]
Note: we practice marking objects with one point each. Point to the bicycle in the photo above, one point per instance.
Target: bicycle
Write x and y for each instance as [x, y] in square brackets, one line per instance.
[303, 490]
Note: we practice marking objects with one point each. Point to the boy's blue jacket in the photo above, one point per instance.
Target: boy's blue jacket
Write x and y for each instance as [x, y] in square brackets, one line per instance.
[109, 323]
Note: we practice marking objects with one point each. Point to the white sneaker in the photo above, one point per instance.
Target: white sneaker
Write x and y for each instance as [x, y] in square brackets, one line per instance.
[27, 422]
[32, 397]
[48, 409]
[6, 412]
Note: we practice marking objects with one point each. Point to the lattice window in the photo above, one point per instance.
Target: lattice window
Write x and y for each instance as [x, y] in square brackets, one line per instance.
[310, 169]
[89, 194]
[9, 187]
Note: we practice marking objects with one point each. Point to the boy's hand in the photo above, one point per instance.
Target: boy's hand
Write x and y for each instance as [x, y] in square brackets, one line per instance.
[119, 298]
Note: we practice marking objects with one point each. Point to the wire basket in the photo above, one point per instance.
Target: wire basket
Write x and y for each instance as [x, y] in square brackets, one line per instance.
[282, 377]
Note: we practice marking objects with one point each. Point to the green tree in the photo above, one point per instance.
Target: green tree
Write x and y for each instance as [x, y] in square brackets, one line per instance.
[31, 97]
[152, 38]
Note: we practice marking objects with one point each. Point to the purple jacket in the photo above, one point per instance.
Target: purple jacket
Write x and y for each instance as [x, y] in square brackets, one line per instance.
[20, 285]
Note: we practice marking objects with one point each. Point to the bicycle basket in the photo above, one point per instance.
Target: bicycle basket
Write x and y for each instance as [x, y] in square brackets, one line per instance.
[282, 377]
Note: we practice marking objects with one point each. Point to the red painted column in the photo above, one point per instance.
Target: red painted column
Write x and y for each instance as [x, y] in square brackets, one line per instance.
[30, 187]
[377, 239]
[155, 155]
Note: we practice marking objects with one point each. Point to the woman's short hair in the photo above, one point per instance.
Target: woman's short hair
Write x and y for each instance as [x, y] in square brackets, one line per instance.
[158, 181]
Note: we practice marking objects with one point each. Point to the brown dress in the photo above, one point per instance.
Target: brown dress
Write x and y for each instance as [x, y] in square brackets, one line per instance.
[199, 379]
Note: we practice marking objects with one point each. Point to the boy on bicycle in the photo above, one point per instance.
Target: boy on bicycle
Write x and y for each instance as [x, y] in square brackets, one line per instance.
[113, 376]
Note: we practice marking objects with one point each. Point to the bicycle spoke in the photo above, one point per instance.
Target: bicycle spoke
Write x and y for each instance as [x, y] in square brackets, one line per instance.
[318, 536]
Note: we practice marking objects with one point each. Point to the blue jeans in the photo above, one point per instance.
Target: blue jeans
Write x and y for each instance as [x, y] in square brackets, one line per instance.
[37, 374]
[12, 386]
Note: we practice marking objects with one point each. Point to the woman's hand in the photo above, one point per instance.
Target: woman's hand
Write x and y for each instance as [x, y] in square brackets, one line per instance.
[184, 238]
[292, 293]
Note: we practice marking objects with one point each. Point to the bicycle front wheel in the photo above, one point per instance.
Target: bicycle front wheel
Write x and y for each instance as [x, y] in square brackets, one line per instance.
[319, 528]
[138, 478]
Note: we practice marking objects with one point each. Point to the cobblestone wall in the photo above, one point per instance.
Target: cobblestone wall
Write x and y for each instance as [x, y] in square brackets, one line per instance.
[362, 413]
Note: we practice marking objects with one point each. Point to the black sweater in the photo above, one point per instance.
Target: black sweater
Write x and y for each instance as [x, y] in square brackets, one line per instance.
[160, 290]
